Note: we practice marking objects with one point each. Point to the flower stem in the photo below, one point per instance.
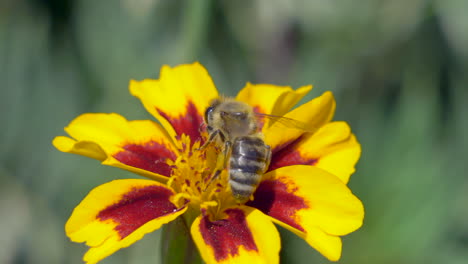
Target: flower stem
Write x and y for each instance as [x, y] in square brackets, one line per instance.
[177, 244]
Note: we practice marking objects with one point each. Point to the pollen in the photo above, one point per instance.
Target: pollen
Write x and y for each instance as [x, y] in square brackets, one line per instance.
[192, 178]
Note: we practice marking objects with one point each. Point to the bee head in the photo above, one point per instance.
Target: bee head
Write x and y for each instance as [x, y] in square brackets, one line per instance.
[209, 111]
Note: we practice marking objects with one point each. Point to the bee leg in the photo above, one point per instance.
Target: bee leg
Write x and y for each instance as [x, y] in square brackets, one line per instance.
[213, 177]
[227, 148]
[268, 157]
[210, 139]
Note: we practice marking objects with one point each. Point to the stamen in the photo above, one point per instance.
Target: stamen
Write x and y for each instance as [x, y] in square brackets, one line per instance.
[192, 177]
[178, 197]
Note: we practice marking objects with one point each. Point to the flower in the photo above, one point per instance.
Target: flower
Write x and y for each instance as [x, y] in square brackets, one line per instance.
[304, 189]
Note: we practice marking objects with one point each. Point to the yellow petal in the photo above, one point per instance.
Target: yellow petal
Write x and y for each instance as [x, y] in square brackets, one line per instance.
[338, 158]
[332, 148]
[329, 246]
[313, 114]
[178, 99]
[84, 148]
[306, 200]
[244, 235]
[139, 146]
[271, 99]
[119, 213]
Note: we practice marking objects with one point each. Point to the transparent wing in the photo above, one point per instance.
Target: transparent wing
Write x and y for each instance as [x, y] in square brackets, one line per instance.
[285, 122]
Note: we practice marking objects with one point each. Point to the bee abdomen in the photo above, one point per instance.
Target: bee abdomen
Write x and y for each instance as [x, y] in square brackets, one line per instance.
[241, 192]
[251, 148]
[247, 164]
[244, 164]
[245, 178]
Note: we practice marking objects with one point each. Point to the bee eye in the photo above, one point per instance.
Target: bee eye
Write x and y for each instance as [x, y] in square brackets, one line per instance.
[208, 112]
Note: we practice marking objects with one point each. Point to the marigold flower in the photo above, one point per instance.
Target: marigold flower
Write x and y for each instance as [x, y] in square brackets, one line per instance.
[304, 189]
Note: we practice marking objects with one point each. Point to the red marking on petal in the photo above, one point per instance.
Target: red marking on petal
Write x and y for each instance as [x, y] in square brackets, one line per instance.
[273, 198]
[150, 156]
[225, 236]
[203, 212]
[188, 124]
[138, 207]
[289, 156]
[288, 145]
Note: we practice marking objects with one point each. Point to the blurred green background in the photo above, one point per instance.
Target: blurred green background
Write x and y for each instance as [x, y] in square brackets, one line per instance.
[398, 69]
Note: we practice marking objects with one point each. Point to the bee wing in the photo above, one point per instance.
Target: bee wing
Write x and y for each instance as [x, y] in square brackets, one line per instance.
[285, 122]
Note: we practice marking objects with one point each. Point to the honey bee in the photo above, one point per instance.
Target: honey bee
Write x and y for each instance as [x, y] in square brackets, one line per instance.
[233, 125]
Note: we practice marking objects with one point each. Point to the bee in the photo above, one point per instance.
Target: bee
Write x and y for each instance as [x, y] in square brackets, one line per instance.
[234, 126]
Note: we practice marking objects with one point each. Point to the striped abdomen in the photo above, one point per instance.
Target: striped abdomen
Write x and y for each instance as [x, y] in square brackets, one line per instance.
[249, 159]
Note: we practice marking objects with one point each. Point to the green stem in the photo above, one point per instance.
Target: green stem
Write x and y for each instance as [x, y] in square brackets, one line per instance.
[177, 244]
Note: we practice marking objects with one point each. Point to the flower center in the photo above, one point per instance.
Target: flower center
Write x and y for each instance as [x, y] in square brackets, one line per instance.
[192, 178]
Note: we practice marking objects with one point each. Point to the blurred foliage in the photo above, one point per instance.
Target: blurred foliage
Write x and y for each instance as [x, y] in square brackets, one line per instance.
[397, 68]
